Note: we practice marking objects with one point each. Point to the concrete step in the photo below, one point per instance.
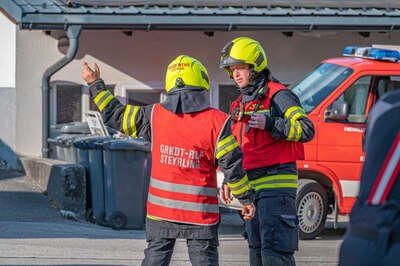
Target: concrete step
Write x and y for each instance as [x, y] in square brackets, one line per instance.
[64, 183]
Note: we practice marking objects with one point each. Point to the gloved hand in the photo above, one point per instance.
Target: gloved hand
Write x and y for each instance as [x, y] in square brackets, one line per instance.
[257, 120]
[89, 75]
[261, 121]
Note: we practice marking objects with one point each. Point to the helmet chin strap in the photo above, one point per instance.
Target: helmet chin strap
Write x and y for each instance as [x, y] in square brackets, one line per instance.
[252, 76]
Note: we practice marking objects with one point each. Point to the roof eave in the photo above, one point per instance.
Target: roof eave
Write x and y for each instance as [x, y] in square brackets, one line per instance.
[193, 22]
[12, 11]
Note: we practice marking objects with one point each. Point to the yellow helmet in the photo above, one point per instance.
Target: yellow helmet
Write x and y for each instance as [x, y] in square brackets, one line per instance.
[243, 50]
[186, 73]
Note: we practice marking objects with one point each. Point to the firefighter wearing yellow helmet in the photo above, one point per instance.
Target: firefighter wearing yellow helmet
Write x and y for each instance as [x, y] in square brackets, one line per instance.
[189, 140]
[243, 50]
[270, 126]
[186, 73]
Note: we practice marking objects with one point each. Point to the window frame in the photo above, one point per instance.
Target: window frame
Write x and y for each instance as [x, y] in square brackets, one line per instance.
[125, 89]
[53, 100]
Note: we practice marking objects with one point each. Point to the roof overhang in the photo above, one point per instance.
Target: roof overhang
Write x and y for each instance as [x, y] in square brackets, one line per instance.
[54, 14]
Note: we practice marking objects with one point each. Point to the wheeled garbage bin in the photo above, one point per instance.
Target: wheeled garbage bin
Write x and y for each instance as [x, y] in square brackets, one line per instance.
[62, 148]
[94, 172]
[62, 137]
[55, 149]
[97, 173]
[70, 151]
[127, 166]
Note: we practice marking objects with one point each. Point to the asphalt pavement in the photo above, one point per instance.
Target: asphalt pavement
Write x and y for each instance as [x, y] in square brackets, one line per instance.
[33, 233]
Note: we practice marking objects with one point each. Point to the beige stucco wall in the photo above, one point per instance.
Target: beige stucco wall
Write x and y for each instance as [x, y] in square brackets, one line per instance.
[7, 80]
[140, 61]
[35, 52]
[145, 55]
[7, 56]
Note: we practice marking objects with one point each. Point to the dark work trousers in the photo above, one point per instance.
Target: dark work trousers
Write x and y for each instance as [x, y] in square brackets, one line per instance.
[273, 232]
[358, 251]
[202, 252]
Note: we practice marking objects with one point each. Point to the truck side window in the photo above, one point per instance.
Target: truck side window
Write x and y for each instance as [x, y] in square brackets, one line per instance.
[355, 97]
[386, 84]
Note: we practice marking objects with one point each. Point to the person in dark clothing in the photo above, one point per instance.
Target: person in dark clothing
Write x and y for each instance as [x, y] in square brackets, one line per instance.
[189, 140]
[270, 125]
[373, 236]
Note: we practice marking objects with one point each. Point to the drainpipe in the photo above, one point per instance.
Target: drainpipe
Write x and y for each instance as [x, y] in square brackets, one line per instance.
[73, 33]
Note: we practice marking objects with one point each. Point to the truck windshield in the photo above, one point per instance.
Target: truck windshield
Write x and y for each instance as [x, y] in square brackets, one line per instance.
[317, 85]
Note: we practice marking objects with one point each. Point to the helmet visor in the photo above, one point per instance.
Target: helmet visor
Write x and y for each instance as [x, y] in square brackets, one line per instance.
[227, 61]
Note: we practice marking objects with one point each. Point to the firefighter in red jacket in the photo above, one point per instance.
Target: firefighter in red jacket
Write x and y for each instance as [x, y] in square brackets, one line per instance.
[189, 140]
[270, 125]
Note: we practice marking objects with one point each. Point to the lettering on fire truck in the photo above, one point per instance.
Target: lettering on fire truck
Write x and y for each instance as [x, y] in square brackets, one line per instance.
[354, 129]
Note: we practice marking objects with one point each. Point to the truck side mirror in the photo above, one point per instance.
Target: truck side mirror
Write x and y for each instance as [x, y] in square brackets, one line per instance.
[337, 111]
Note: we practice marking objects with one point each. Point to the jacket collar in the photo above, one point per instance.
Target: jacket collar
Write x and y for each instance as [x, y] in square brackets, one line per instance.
[186, 101]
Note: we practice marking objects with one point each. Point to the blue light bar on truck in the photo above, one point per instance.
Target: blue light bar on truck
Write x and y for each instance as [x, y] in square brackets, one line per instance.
[372, 53]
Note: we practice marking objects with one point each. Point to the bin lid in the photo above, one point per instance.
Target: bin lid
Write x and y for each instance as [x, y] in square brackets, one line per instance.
[67, 128]
[60, 140]
[89, 142]
[75, 127]
[51, 140]
[68, 139]
[98, 145]
[130, 144]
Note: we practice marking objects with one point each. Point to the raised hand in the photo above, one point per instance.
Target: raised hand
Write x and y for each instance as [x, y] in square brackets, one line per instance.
[89, 75]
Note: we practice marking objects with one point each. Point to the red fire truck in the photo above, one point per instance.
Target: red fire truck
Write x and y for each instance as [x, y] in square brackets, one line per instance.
[337, 96]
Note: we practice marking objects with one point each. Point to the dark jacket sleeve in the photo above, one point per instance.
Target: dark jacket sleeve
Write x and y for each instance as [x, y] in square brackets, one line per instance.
[229, 158]
[132, 120]
[288, 119]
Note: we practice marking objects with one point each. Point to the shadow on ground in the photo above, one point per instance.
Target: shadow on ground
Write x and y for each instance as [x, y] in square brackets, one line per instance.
[10, 174]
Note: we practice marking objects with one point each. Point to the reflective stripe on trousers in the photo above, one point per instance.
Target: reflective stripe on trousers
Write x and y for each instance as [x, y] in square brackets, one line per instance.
[275, 181]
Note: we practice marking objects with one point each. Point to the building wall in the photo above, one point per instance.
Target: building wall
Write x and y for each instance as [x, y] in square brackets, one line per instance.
[145, 55]
[139, 61]
[7, 80]
[35, 52]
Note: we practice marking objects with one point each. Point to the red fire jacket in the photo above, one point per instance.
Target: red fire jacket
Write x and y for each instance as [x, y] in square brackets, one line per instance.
[183, 185]
[260, 149]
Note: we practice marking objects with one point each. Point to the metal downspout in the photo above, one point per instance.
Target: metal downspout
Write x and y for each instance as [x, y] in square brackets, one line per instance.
[73, 33]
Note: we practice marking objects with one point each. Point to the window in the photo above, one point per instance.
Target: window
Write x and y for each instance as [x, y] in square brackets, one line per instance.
[227, 94]
[69, 101]
[355, 99]
[317, 85]
[385, 84]
[66, 105]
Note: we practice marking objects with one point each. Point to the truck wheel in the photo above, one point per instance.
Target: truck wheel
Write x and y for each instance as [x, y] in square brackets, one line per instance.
[312, 208]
